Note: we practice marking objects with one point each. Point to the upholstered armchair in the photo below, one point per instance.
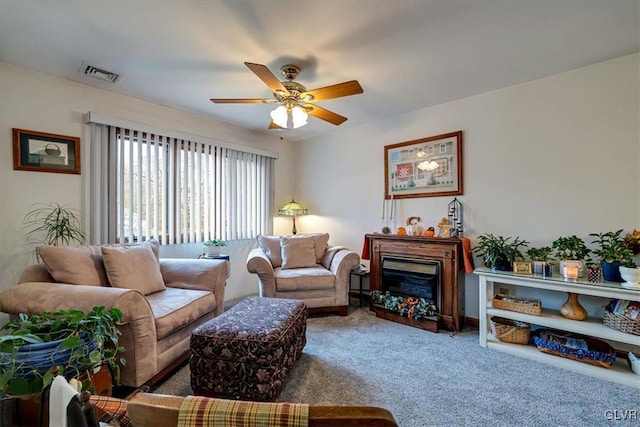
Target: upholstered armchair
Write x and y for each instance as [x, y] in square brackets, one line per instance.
[304, 267]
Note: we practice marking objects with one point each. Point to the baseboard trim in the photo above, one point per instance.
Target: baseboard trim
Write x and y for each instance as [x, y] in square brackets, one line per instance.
[472, 322]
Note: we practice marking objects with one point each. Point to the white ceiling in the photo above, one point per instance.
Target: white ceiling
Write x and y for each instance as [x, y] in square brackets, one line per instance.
[407, 55]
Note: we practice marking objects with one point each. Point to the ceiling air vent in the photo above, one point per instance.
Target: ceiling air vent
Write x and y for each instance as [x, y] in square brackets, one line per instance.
[99, 73]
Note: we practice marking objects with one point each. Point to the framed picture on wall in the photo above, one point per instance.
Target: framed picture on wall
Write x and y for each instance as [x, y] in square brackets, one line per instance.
[45, 152]
[426, 167]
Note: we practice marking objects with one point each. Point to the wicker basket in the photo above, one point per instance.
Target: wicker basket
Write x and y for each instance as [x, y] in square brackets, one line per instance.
[519, 304]
[511, 331]
[621, 323]
[598, 352]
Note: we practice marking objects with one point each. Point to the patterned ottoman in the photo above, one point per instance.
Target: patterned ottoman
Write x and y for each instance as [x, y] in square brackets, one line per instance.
[246, 352]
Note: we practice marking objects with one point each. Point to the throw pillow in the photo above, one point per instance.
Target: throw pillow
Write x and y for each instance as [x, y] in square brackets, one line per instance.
[82, 265]
[76, 265]
[270, 245]
[321, 243]
[133, 267]
[298, 252]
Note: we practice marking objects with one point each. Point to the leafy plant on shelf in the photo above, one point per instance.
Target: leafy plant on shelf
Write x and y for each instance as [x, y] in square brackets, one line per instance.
[411, 307]
[35, 348]
[612, 248]
[499, 252]
[570, 248]
[542, 254]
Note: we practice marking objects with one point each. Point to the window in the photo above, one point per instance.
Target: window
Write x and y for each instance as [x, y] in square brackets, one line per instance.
[176, 190]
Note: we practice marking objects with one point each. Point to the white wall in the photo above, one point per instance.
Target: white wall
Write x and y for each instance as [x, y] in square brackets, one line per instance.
[552, 157]
[34, 101]
[555, 156]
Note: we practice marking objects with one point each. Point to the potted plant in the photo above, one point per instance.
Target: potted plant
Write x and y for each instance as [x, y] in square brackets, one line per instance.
[594, 270]
[540, 258]
[53, 224]
[613, 252]
[211, 248]
[571, 251]
[68, 342]
[498, 253]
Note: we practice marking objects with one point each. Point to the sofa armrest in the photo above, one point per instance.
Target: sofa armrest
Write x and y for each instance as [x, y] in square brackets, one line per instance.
[138, 326]
[341, 265]
[258, 263]
[199, 274]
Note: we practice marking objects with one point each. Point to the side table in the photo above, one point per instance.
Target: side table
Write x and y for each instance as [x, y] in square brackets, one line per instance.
[359, 292]
[221, 256]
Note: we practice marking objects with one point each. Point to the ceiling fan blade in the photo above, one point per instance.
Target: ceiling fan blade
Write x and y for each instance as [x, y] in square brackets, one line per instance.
[324, 114]
[334, 91]
[272, 125]
[268, 77]
[243, 100]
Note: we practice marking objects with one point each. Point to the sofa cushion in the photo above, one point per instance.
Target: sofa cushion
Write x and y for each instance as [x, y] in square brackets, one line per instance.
[297, 252]
[270, 245]
[133, 267]
[176, 308]
[81, 265]
[303, 279]
[321, 243]
[76, 265]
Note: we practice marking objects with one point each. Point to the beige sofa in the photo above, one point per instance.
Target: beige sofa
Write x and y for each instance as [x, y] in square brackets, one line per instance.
[304, 267]
[162, 300]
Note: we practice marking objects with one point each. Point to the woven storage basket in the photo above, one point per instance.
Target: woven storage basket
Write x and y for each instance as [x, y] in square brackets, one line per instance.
[598, 353]
[621, 323]
[519, 304]
[511, 331]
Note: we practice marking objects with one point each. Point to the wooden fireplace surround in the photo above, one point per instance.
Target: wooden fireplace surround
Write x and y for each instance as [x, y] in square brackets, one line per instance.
[446, 250]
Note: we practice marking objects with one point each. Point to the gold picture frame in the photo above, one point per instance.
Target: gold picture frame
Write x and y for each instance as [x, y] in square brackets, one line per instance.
[426, 167]
[45, 152]
[523, 267]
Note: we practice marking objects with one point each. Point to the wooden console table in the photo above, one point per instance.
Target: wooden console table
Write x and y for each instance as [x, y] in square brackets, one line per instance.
[592, 326]
[446, 251]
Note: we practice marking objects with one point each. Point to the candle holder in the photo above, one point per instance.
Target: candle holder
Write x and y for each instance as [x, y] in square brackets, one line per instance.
[454, 215]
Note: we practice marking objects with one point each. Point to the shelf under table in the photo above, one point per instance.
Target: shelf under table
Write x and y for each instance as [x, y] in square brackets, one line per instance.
[619, 372]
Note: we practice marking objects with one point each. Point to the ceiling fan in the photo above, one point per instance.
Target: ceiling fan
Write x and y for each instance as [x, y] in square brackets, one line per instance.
[295, 100]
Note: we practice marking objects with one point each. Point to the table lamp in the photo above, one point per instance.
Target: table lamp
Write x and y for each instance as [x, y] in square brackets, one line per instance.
[292, 209]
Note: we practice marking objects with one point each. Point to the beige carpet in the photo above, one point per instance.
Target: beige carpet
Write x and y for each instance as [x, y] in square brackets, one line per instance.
[428, 379]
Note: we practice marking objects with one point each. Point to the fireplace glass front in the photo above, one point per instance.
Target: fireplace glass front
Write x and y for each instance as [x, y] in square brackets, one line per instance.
[412, 278]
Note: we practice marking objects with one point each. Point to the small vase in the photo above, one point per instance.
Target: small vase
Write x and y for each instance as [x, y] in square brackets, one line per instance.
[594, 274]
[571, 309]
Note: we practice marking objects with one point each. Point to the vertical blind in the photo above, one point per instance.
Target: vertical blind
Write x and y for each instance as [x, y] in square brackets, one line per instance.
[145, 185]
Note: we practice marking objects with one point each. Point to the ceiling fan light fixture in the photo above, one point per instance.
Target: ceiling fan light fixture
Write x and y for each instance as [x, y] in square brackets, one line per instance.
[279, 116]
[299, 116]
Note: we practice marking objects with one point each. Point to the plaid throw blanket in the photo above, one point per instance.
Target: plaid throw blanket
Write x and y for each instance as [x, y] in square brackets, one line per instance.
[110, 409]
[210, 412]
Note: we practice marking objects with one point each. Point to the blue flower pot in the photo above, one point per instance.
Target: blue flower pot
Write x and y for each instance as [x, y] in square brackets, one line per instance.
[611, 271]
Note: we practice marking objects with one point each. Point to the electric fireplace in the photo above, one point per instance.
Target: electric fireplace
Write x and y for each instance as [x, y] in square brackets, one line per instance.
[423, 267]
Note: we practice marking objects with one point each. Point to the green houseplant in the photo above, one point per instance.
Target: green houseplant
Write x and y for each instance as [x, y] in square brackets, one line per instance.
[613, 252]
[66, 342]
[53, 224]
[571, 251]
[499, 252]
[541, 258]
[212, 247]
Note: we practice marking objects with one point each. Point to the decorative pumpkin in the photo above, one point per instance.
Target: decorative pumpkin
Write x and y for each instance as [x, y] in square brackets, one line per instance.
[401, 231]
[429, 232]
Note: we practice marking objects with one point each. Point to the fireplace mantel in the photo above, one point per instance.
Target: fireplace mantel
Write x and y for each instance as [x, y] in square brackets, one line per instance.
[448, 251]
